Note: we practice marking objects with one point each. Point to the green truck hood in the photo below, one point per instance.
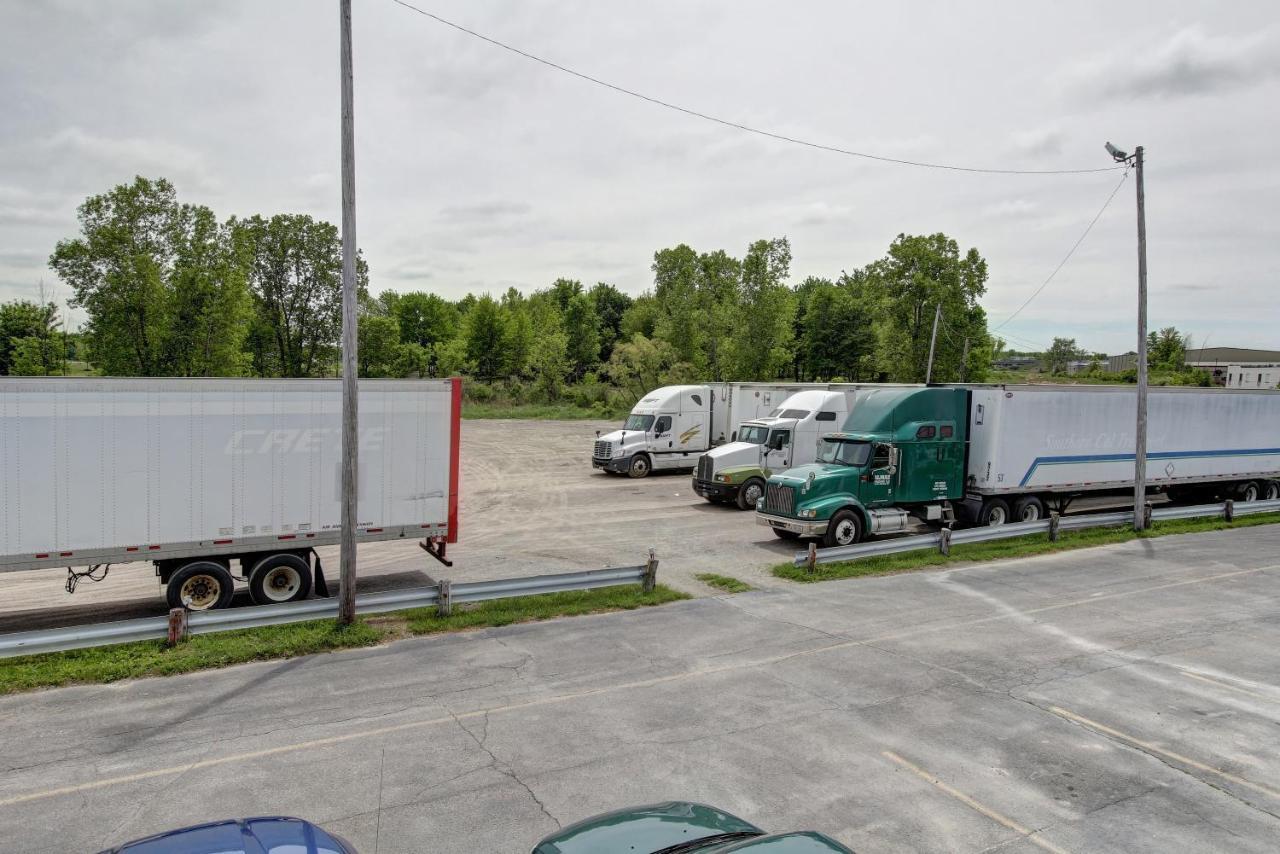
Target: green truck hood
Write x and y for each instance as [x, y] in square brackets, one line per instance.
[647, 829]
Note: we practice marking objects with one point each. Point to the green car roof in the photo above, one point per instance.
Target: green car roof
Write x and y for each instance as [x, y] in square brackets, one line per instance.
[644, 830]
[673, 826]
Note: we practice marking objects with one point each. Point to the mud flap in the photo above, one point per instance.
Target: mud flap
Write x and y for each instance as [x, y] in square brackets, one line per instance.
[321, 588]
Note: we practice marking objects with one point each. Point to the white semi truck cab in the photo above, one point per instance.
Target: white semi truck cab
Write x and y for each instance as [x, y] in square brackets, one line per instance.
[667, 429]
[736, 473]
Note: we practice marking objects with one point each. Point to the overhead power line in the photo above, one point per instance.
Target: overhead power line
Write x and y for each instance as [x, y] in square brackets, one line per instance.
[834, 149]
[1070, 252]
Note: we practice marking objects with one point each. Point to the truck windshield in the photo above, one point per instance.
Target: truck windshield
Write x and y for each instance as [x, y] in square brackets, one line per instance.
[638, 422]
[753, 434]
[843, 452]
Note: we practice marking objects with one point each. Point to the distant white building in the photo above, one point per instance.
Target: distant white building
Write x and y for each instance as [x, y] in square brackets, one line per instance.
[1253, 376]
[1234, 367]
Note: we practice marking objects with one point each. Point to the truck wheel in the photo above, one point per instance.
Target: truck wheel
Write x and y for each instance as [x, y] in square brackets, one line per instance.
[1272, 491]
[750, 493]
[995, 512]
[1249, 491]
[784, 534]
[201, 585]
[845, 529]
[1028, 509]
[279, 578]
[639, 466]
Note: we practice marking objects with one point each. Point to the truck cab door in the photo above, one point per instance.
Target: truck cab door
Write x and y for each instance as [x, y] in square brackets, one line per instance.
[662, 436]
[877, 486]
[777, 451]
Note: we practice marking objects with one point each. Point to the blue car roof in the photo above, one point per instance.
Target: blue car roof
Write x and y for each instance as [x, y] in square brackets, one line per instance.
[240, 836]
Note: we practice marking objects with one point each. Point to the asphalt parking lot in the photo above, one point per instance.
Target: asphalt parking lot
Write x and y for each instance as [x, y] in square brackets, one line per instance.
[1124, 699]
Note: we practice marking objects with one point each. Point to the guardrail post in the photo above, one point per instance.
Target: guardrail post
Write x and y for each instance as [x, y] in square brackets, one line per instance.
[177, 626]
[650, 573]
[444, 599]
[1229, 510]
[1054, 520]
[944, 541]
[1146, 516]
[812, 560]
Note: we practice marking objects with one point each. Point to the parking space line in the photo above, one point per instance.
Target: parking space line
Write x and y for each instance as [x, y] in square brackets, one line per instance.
[1190, 675]
[1160, 751]
[1002, 820]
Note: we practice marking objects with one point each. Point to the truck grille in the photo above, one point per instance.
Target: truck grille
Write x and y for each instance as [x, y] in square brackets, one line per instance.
[603, 450]
[704, 467]
[779, 499]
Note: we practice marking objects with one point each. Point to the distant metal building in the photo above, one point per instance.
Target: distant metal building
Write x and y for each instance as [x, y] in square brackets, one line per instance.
[1237, 367]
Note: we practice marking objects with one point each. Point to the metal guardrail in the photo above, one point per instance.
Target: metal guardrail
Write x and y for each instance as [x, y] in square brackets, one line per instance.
[1022, 529]
[204, 622]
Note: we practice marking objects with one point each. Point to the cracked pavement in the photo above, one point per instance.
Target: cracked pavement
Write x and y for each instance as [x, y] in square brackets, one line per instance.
[1125, 698]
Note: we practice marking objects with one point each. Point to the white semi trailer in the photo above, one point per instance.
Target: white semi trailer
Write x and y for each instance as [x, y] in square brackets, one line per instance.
[201, 476]
[670, 427]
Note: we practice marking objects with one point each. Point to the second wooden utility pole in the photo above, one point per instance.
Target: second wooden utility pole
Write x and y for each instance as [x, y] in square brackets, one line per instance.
[933, 343]
[350, 382]
[1140, 439]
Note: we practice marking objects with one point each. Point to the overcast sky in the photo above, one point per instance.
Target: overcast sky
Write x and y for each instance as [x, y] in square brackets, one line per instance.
[477, 170]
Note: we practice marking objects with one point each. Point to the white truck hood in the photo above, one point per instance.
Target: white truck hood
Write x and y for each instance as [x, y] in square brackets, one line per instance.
[734, 454]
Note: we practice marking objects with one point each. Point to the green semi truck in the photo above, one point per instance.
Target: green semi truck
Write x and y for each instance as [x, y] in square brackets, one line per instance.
[987, 455]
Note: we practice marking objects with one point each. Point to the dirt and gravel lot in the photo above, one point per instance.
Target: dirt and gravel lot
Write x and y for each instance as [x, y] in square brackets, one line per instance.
[530, 504]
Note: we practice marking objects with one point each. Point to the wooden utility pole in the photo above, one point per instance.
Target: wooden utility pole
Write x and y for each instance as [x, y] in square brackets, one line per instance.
[933, 342]
[1140, 443]
[350, 382]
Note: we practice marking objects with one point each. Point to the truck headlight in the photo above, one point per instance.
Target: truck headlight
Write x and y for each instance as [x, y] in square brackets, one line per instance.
[722, 478]
[760, 503]
[810, 513]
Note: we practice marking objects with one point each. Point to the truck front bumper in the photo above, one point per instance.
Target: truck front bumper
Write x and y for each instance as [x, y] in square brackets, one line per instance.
[614, 464]
[717, 491]
[814, 528]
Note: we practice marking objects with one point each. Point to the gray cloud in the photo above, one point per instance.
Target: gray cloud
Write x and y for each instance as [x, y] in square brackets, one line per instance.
[1189, 62]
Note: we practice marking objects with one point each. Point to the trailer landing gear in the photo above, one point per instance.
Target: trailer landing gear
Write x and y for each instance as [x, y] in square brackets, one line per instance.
[436, 547]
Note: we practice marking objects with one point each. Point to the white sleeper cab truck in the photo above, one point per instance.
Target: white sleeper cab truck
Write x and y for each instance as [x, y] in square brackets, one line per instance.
[671, 426]
[209, 479]
[789, 436]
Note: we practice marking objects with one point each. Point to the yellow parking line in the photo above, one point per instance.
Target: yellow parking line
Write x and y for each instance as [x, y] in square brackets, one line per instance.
[1226, 685]
[1003, 820]
[1160, 751]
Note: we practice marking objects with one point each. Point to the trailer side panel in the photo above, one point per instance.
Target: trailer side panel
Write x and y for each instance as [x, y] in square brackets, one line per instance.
[1056, 439]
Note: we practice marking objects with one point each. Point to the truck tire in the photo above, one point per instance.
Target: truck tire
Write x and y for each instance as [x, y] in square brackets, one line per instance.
[1249, 491]
[750, 493]
[1028, 508]
[201, 585]
[784, 534]
[1271, 491]
[845, 529]
[995, 512]
[279, 578]
[640, 466]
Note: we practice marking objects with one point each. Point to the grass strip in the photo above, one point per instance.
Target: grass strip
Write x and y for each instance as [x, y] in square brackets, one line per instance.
[723, 582]
[220, 649]
[1032, 544]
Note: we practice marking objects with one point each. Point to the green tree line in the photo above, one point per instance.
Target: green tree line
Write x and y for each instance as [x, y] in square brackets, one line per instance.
[169, 289]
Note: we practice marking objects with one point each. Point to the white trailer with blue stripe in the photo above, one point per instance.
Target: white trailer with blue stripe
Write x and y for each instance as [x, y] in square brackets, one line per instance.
[1030, 445]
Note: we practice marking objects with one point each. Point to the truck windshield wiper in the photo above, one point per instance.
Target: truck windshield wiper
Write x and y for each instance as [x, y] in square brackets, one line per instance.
[695, 844]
